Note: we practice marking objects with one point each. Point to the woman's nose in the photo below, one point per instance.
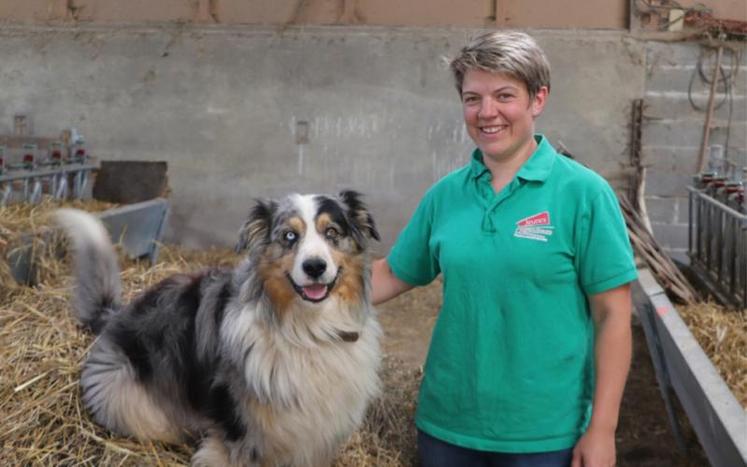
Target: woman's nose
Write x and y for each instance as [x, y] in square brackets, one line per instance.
[488, 109]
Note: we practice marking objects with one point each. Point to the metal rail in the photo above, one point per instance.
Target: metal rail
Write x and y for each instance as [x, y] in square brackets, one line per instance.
[717, 246]
[58, 178]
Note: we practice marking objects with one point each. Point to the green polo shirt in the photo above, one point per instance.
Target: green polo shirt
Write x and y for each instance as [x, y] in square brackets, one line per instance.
[510, 365]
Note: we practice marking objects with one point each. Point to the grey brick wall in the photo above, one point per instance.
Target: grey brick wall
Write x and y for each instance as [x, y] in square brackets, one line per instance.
[672, 131]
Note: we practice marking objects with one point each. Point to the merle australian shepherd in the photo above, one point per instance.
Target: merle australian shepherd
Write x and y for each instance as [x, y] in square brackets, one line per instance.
[269, 364]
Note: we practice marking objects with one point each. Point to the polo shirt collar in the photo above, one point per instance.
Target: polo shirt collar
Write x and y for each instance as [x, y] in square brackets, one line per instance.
[477, 167]
[536, 168]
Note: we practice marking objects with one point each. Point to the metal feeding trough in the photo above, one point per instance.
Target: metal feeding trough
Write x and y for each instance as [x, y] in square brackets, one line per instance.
[32, 167]
[136, 227]
[682, 367]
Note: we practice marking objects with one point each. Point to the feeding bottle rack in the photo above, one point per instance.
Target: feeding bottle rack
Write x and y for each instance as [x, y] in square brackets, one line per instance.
[62, 174]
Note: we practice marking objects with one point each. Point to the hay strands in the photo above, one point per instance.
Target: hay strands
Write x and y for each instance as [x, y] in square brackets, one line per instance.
[28, 383]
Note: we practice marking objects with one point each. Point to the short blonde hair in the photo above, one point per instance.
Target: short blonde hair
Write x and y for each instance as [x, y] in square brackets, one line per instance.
[511, 52]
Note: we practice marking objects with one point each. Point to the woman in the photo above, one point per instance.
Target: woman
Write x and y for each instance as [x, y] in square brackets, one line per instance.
[530, 353]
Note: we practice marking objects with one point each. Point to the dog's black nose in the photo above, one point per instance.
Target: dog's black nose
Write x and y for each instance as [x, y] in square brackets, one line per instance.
[314, 267]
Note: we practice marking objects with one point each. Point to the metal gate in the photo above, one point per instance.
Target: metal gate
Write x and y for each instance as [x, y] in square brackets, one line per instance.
[717, 244]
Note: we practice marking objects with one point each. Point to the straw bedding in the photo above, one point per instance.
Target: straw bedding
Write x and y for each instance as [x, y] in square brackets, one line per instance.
[722, 334]
[42, 348]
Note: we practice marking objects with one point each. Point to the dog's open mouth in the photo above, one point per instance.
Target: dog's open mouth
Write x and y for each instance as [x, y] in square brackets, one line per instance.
[314, 293]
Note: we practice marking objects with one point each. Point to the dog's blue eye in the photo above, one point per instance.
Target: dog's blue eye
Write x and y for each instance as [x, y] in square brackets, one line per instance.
[290, 236]
[331, 233]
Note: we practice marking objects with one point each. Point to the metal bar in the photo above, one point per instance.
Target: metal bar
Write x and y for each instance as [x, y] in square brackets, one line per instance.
[709, 237]
[709, 199]
[27, 174]
[743, 250]
[718, 245]
[733, 256]
[700, 227]
[692, 225]
[704, 230]
[36, 192]
[5, 197]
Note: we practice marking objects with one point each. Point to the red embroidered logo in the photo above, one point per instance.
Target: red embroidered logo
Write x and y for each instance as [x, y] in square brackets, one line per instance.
[535, 227]
[542, 218]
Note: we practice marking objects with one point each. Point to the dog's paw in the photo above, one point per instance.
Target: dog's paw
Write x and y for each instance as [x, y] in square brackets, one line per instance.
[212, 453]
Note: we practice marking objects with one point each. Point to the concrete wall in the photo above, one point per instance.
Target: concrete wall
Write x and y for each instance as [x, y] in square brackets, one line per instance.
[223, 107]
[672, 129]
[568, 14]
[606, 14]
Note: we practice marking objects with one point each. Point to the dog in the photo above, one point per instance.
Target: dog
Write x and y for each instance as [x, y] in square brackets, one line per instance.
[272, 363]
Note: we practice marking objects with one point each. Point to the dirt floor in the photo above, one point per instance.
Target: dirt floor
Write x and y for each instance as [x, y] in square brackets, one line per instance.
[644, 437]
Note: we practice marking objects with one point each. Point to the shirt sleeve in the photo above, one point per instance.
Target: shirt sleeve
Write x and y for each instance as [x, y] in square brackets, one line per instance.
[604, 255]
[411, 258]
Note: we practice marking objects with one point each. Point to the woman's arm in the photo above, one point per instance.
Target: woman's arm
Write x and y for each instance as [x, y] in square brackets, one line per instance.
[611, 311]
[384, 284]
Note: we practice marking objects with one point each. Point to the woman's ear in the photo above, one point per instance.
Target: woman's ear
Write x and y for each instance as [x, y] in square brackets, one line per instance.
[538, 103]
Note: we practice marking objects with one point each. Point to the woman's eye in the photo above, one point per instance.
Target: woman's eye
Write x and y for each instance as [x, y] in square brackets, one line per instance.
[331, 233]
[290, 236]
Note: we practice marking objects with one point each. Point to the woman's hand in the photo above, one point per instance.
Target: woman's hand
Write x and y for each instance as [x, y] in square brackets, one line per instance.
[596, 448]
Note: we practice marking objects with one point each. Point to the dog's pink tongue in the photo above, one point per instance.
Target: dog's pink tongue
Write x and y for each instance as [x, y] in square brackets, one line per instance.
[316, 291]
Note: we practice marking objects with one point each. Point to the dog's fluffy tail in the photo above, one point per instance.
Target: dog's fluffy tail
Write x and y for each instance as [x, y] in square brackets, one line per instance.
[98, 286]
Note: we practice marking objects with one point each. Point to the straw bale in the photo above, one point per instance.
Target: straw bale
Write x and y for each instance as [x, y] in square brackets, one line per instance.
[722, 333]
[42, 348]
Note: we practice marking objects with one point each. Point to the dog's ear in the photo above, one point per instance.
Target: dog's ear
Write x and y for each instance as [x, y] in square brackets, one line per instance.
[358, 214]
[256, 230]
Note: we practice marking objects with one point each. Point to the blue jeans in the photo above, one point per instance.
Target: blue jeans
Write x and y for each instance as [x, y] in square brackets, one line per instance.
[433, 452]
